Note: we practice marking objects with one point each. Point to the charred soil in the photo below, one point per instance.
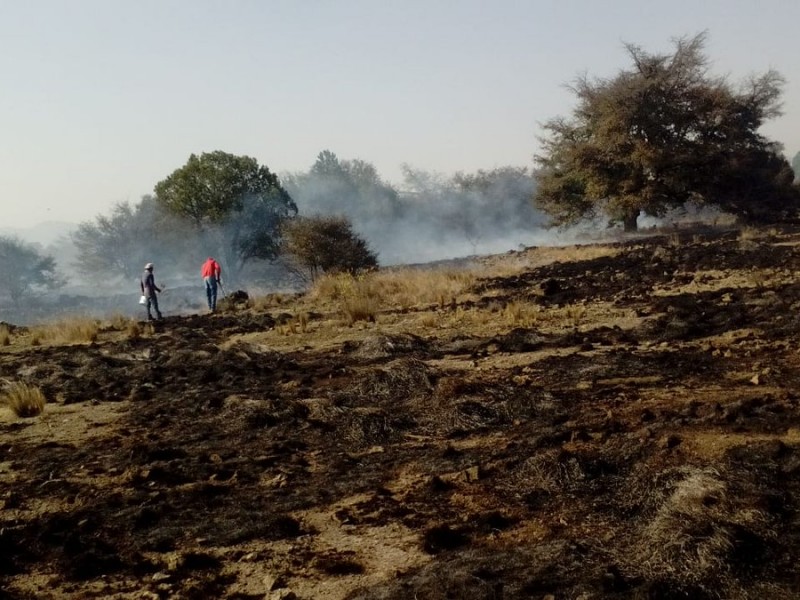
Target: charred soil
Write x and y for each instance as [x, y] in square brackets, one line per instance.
[639, 438]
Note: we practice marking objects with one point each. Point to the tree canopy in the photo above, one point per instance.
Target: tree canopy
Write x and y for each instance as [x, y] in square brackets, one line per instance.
[120, 243]
[234, 199]
[24, 270]
[660, 134]
[346, 187]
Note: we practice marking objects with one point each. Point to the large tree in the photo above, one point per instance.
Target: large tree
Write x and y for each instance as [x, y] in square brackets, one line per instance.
[238, 203]
[24, 270]
[660, 134]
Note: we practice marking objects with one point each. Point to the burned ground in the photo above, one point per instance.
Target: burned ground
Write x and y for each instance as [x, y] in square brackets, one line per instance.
[656, 456]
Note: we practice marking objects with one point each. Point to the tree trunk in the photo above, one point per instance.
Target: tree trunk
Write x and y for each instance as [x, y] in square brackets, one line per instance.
[629, 221]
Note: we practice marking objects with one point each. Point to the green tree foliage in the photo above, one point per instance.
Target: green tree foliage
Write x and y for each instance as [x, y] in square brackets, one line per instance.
[325, 244]
[660, 134]
[24, 270]
[232, 199]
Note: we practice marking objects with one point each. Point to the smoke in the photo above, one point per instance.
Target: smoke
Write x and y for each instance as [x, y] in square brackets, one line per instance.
[431, 216]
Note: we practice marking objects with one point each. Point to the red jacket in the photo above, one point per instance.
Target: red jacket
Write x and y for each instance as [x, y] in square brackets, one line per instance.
[211, 268]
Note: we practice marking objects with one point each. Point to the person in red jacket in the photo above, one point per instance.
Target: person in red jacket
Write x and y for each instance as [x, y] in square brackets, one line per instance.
[211, 273]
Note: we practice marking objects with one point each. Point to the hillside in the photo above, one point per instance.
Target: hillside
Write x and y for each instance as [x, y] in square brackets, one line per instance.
[597, 422]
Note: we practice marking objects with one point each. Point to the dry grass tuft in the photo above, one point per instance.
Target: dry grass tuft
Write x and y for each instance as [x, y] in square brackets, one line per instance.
[698, 524]
[749, 238]
[363, 297]
[75, 330]
[271, 300]
[133, 330]
[397, 288]
[119, 322]
[25, 400]
[128, 326]
[521, 314]
[749, 234]
[5, 335]
[362, 306]
[400, 380]
[547, 472]
[295, 324]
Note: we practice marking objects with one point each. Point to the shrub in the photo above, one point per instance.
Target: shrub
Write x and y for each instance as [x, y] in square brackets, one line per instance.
[325, 244]
[25, 400]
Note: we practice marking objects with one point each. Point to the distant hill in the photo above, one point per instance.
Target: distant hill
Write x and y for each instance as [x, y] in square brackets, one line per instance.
[46, 233]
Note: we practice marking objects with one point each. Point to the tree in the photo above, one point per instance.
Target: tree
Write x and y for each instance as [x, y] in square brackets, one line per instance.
[346, 187]
[796, 166]
[119, 244]
[232, 199]
[326, 244]
[660, 134]
[24, 270]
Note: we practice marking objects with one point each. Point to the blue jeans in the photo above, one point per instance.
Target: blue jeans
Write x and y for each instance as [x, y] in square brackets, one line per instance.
[152, 304]
[211, 292]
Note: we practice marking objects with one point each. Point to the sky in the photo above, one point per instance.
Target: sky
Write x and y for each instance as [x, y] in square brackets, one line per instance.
[101, 99]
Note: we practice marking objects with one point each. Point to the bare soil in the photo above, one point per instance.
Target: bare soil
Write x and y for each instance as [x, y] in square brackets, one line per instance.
[643, 444]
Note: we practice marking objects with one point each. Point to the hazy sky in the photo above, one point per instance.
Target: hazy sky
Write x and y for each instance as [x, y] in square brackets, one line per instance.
[100, 99]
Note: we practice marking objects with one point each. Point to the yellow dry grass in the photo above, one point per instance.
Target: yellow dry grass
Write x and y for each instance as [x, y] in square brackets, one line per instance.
[73, 330]
[395, 288]
[23, 399]
[504, 266]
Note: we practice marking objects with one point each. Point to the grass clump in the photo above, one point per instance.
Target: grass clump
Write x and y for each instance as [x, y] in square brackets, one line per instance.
[295, 324]
[75, 330]
[521, 314]
[23, 399]
[361, 297]
[693, 541]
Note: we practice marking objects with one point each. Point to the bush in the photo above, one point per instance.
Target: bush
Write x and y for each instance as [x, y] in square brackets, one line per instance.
[325, 244]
